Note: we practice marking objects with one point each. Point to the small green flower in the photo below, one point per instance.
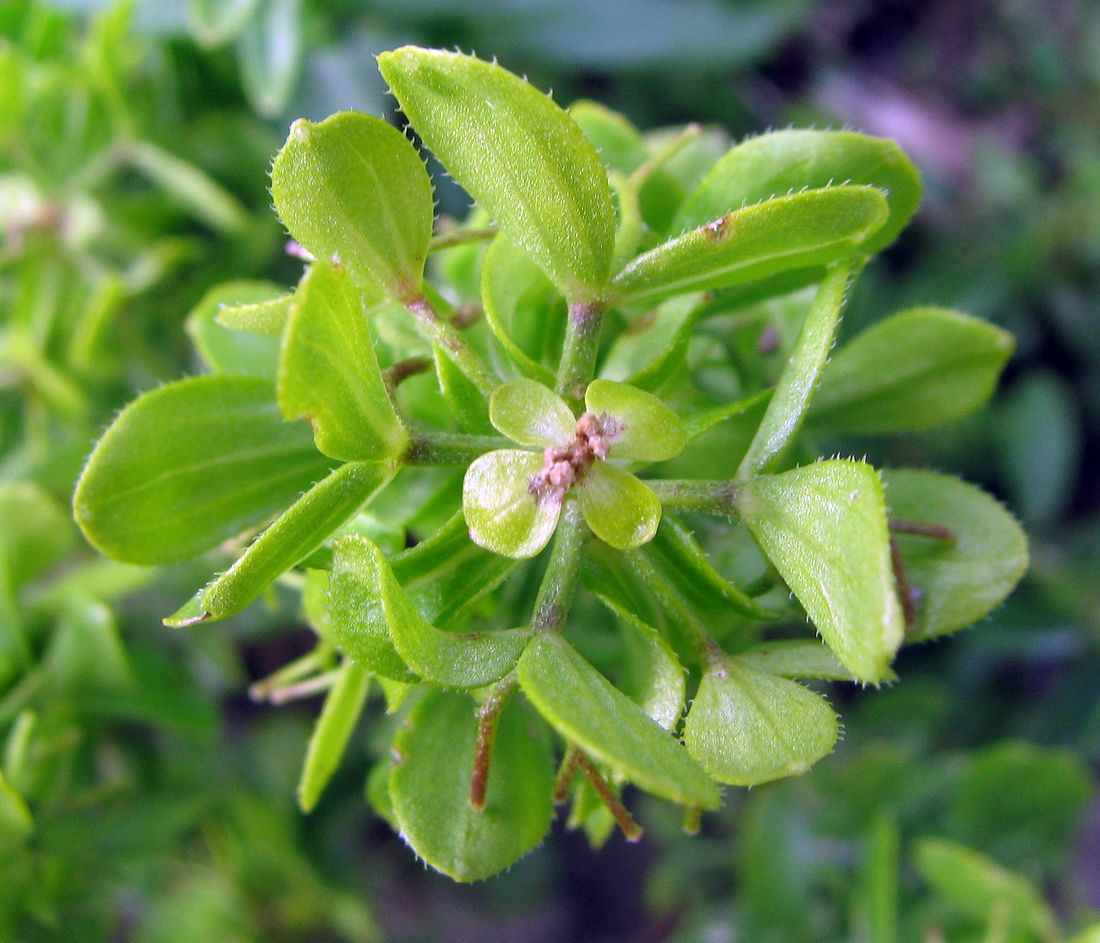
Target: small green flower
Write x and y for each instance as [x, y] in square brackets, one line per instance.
[512, 498]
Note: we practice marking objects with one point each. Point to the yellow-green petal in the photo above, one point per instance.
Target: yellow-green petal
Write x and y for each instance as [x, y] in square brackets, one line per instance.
[621, 510]
[501, 512]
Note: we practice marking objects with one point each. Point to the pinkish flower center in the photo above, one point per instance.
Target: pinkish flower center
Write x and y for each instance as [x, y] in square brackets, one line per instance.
[565, 465]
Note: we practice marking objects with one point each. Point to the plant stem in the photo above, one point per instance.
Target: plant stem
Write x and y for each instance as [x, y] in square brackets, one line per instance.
[935, 531]
[905, 590]
[566, 772]
[440, 331]
[665, 154]
[630, 829]
[393, 376]
[450, 448]
[560, 579]
[701, 496]
[488, 720]
[578, 354]
[459, 235]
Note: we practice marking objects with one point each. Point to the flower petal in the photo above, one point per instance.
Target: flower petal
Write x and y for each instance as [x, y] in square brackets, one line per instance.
[621, 510]
[530, 414]
[650, 430]
[502, 514]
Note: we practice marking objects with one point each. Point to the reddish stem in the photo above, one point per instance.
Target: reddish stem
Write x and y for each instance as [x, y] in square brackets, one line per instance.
[630, 829]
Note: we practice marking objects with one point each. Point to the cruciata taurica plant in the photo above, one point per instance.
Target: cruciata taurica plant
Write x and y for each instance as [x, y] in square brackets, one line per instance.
[622, 355]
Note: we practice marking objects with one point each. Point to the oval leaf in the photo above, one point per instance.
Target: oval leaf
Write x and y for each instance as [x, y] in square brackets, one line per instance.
[343, 704]
[430, 788]
[916, 369]
[807, 229]
[959, 582]
[186, 466]
[354, 188]
[329, 374]
[824, 529]
[586, 709]
[518, 154]
[783, 161]
[797, 658]
[746, 727]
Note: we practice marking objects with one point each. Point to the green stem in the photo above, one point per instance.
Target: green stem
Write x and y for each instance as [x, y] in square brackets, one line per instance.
[665, 154]
[582, 344]
[700, 496]
[450, 448]
[559, 582]
[437, 329]
[459, 235]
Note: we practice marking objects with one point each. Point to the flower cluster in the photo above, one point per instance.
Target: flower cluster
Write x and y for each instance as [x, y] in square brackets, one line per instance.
[512, 498]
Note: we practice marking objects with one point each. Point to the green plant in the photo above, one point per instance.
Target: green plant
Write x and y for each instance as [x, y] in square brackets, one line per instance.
[650, 320]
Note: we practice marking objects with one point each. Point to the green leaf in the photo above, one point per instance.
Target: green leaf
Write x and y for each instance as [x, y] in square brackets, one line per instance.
[343, 705]
[188, 465]
[653, 676]
[500, 510]
[963, 581]
[519, 155]
[430, 788]
[808, 229]
[616, 140]
[824, 529]
[981, 888]
[355, 616]
[795, 389]
[214, 22]
[329, 374]
[260, 317]
[462, 395]
[205, 198]
[442, 576]
[917, 369]
[443, 658]
[647, 429]
[784, 161]
[531, 414]
[293, 536]
[746, 727]
[649, 352]
[797, 658]
[447, 573]
[714, 599]
[587, 710]
[354, 188]
[270, 53]
[86, 655]
[619, 509]
[225, 350]
[519, 308]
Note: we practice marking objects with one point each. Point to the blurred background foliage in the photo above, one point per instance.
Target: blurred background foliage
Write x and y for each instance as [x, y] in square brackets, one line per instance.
[144, 797]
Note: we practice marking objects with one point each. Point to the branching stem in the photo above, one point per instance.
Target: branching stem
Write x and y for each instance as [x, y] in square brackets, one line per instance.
[450, 448]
